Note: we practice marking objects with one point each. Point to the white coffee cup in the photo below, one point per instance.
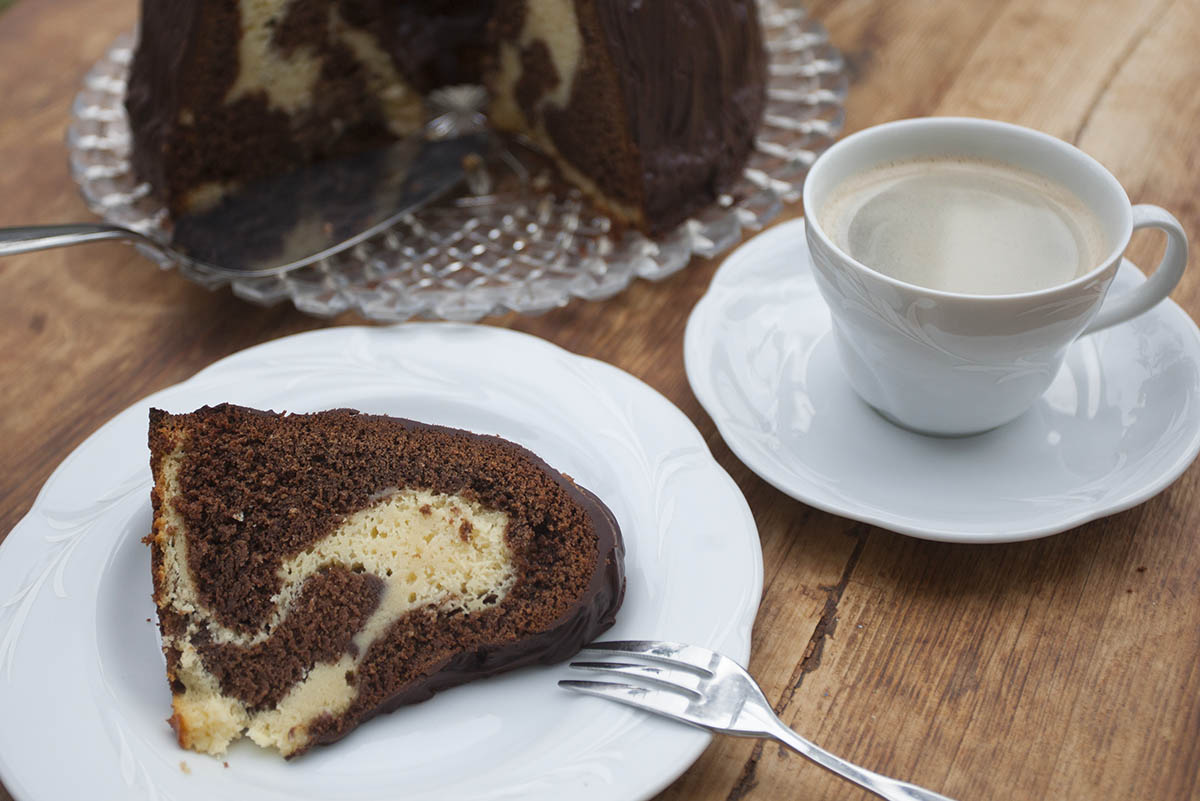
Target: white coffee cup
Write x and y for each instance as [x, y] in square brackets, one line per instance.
[952, 364]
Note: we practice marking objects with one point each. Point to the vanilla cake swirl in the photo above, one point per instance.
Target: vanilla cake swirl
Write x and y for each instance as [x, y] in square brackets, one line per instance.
[311, 571]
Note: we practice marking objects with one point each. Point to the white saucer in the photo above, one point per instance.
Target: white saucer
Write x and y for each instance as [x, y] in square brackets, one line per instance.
[83, 695]
[1119, 424]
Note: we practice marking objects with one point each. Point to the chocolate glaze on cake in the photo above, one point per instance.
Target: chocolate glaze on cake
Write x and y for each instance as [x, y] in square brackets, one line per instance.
[693, 108]
[239, 494]
[663, 105]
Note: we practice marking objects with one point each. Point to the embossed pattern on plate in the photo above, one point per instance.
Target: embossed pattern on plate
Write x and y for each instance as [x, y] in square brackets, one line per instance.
[76, 646]
[465, 260]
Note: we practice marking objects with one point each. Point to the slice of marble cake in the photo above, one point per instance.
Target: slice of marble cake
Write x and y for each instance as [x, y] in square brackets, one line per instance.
[311, 571]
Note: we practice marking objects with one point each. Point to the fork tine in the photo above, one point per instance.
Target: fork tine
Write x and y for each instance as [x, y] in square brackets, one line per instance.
[661, 702]
[683, 681]
[692, 657]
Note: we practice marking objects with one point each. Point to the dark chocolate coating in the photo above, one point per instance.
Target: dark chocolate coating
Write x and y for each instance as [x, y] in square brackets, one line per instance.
[693, 75]
[152, 96]
[664, 106]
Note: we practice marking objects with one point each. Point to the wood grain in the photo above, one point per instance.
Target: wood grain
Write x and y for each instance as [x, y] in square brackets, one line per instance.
[1063, 668]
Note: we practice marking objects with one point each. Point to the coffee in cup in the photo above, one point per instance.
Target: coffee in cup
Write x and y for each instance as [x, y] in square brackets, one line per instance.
[964, 225]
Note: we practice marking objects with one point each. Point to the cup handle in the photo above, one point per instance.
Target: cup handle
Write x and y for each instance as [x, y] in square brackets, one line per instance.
[1159, 285]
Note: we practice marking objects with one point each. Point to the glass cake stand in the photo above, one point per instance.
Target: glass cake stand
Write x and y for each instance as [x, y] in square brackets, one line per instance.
[527, 249]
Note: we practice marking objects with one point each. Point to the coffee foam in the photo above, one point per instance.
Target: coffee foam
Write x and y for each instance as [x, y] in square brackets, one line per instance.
[964, 225]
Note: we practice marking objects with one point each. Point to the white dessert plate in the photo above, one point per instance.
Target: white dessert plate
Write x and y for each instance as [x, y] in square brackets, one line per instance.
[1119, 424]
[82, 683]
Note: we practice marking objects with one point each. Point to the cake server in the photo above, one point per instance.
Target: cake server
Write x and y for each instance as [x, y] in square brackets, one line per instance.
[281, 223]
[702, 688]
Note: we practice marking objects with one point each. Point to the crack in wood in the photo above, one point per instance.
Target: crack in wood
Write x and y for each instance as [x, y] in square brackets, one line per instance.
[746, 780]
[809, 662]
[827, 625]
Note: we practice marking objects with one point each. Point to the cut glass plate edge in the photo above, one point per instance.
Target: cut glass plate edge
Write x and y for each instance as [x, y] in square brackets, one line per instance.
[800, 52]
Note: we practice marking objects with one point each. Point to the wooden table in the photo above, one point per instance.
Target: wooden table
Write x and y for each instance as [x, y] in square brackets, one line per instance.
[1065, 668]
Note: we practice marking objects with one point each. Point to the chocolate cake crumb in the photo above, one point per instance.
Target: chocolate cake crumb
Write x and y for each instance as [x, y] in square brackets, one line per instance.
[319, 627]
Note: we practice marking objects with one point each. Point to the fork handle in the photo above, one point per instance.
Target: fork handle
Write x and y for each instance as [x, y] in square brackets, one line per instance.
[882, 786]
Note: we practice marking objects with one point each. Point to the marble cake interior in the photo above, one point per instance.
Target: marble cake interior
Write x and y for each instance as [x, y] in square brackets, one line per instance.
[304, 584]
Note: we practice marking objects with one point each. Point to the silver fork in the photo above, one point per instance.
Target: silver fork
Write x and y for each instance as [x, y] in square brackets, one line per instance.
[702, 688]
